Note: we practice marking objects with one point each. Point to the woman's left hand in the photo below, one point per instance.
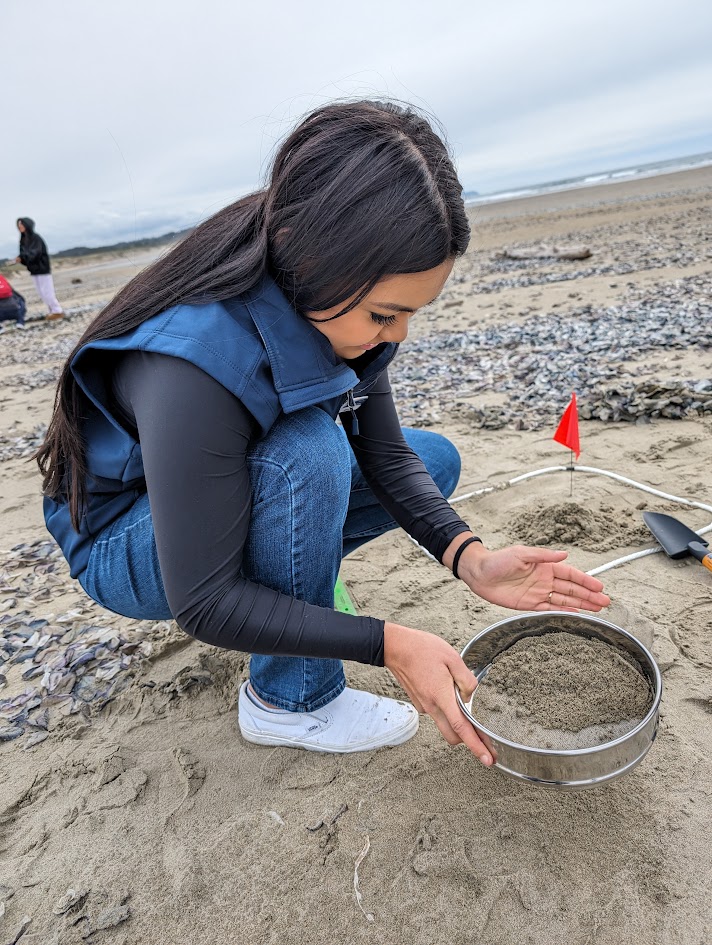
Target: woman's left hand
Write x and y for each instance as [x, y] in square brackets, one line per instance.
[523, 578]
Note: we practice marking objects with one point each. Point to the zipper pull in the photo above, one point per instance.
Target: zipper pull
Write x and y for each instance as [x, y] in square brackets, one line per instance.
[352, 407]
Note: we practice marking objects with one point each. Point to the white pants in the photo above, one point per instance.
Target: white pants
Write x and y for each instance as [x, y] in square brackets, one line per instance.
[45, 290]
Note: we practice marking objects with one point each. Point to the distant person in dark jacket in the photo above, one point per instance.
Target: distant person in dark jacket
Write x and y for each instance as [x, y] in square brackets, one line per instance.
[35, 258]
[12, 304]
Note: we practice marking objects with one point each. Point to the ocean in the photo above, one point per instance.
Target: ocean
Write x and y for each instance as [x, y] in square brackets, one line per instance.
[572, 183]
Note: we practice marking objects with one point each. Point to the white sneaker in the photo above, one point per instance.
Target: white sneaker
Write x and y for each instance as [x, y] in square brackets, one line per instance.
[353, 721]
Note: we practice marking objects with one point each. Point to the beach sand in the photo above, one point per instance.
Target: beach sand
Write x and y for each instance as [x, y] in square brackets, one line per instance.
[169, 828]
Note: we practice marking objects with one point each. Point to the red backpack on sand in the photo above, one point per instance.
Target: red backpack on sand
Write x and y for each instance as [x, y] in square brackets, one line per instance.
[5, 288]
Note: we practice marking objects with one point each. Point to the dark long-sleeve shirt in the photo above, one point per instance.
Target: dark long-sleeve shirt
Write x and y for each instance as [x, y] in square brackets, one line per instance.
[34, 255]
[194, 437]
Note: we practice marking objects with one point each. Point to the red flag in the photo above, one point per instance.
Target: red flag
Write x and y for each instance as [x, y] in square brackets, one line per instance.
[567, 432]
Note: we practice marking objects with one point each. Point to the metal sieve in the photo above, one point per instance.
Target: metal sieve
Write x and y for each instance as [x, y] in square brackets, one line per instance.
[563, 768]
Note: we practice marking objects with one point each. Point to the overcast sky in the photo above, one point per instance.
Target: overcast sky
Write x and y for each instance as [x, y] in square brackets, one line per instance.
[133, 118]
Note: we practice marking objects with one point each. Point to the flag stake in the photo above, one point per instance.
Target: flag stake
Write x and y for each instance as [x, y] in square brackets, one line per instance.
[567, 433]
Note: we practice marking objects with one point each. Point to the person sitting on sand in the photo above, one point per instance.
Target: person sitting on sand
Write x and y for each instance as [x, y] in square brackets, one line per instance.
[12, 304]
[193, 467]
[35, 258]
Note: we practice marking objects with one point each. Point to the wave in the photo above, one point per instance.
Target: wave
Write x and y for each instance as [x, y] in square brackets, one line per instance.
[588, 180]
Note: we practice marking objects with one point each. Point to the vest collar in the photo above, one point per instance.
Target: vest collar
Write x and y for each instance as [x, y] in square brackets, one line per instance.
[305, 368]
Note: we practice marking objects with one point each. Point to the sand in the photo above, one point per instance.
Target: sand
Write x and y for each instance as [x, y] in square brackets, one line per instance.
[168, 828]
[561, 691]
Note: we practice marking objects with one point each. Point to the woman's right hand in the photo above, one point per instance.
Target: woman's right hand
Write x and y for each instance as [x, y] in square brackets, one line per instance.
[428, 669]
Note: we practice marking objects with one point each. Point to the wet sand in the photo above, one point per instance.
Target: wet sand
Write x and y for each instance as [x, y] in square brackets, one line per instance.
[167, 827]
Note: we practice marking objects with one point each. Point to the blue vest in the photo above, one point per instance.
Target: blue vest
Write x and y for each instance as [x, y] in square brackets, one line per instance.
[255, 345]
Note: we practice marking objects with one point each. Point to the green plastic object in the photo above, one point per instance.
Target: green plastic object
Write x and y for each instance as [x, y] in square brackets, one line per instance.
[342, 600]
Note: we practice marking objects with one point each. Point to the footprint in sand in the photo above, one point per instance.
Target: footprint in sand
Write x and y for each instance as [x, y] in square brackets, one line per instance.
[440, 857]
[180, 783]
[116, 783]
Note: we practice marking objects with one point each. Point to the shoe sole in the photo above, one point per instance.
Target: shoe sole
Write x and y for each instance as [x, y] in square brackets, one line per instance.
[279, 741]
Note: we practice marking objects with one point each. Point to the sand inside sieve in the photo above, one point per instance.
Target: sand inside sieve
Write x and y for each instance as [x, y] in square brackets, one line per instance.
[561, 691]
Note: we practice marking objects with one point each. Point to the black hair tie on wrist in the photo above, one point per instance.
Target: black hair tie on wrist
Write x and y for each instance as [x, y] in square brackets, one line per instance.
[458, 553]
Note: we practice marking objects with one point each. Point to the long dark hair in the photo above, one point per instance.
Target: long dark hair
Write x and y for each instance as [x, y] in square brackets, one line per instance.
[358, 191]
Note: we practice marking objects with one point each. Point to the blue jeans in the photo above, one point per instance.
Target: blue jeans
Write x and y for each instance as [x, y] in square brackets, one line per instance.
[310, 507]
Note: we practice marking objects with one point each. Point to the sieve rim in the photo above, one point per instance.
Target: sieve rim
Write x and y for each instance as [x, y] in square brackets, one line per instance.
[566, 752]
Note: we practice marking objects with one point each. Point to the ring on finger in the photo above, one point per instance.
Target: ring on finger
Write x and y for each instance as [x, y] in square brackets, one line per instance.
[550, 596]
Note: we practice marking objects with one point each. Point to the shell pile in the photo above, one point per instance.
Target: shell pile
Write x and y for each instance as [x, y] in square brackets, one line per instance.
[534, 364]
[55, 665]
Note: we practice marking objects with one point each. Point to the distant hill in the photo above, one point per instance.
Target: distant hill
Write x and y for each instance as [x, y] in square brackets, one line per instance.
[114, 247]
[132, 244]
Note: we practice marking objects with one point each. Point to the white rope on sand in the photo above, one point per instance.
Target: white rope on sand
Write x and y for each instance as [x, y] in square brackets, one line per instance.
[359, 897]
[597, 472]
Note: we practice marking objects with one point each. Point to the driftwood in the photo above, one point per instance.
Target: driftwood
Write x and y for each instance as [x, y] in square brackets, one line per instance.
[545, 251]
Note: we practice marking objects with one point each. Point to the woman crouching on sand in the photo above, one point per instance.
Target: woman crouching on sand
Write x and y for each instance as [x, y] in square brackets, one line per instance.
[193, 468]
